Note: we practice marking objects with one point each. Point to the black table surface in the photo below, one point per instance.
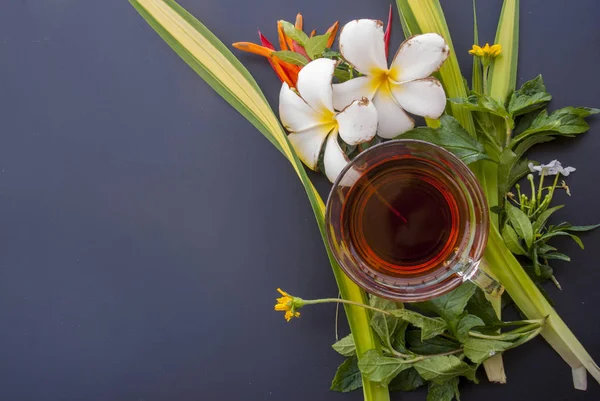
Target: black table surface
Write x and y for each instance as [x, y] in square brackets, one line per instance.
[145, 225]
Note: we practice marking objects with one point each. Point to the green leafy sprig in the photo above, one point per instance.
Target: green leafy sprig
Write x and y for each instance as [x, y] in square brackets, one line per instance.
[523, 219]
[443, 339]
[526, 231]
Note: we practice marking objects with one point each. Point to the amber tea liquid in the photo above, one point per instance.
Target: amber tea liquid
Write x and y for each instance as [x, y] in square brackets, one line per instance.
[401, 218]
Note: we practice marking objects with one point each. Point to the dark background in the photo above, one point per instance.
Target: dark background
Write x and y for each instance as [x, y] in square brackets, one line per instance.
[145, 225]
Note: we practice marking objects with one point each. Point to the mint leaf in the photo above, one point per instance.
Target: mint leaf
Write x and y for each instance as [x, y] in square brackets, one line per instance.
[540, 222]
[479, 349]
[581, 111]
[382, 324]
[439, 369]
[465, 325]
[345, 346]
[484, 125]
[348, 377]
[506, 163]
[524, 121]
[407, 380]
[435, 345]
[519, 170]
[511, 168]
[511, 240]
[446, 391]
[520, 223]
[379, 368]
[291, 57]
[567, 121]
[481, 307]
[527, 143]
[382, 303]
[452, 137]
[531, 96]
[316, 45]
[399, 337]
[295, 34]
[480, 102]
[449, 306]
[538, 271]
[430, 326]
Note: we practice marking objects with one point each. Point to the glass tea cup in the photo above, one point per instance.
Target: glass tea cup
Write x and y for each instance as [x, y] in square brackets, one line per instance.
[408, 221]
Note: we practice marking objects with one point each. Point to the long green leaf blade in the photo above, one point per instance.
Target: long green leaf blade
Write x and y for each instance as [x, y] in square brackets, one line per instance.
[477, 75]
[502, 77]
[211, 59]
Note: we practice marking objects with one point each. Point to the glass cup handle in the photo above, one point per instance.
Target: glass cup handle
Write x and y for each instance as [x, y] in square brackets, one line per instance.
[484, 281]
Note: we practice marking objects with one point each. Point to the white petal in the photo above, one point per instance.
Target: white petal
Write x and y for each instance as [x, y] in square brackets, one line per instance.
[393, 120]
[423, 97]
[354, 89]
[294, 113]
[314, 84]
[418, 57]
[362, 45]
[358, 122]
[334, 159]
[308, 143]
[567, 170]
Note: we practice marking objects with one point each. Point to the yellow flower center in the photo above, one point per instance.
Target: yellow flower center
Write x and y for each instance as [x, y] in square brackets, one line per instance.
[328, 117]
[380, 77]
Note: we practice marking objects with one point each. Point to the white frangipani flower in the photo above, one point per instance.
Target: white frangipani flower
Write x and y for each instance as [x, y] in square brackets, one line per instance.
[311, 119]
[552, 168]
[405, 86]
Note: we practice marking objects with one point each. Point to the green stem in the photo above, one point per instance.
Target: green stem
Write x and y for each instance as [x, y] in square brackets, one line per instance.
[486, 68]
[423, 357]
[483, 336]
[555, 281]
[551, 191]
[523, 329]
[398, 354]
[533, 197]
[539, 195]
[347, 302]
[534, 327]
[508, 132]
[448, 336]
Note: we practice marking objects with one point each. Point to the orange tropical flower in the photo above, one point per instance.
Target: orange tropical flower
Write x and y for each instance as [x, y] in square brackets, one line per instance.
[287, 72]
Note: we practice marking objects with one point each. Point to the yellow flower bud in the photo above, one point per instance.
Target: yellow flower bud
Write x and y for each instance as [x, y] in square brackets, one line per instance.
[486, 53]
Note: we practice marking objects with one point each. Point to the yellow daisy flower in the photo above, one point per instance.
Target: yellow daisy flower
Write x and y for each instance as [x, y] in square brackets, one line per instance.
[288, 304]
[487, 53]
[476, 51]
